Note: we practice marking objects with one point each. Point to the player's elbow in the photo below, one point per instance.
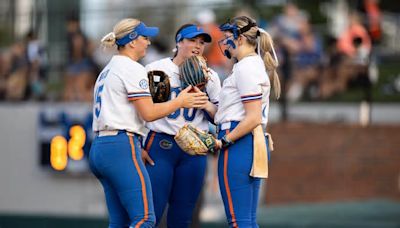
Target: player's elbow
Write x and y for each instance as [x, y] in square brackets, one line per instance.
[148, 117]
[255, 119]
[152, 115]
[258, 121]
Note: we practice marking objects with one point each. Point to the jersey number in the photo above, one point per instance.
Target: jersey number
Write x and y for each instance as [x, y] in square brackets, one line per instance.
[97, 99]
[188, 113]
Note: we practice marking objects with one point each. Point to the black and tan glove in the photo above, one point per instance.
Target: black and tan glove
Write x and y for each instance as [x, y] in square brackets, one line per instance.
[159, 86]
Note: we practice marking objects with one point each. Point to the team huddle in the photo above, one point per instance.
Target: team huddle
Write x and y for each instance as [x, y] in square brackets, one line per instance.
[151, 124]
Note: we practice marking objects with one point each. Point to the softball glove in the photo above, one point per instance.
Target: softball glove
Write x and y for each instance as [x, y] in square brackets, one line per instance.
[194, 141]
[159, 86]
[194, 71]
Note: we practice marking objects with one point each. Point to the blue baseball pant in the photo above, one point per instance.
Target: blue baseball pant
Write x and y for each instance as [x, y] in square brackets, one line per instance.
[239, 190]
[116, 162]
[176, 179]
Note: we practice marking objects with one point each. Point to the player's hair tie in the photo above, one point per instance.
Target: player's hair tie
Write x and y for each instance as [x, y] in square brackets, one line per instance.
[108, 36]
[260, 30]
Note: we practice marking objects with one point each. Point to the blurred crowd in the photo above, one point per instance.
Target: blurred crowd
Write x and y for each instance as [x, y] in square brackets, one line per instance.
[313, 66]
[23, 70]
[320, 67]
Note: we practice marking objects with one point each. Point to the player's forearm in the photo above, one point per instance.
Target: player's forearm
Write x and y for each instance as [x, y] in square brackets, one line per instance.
[211, 109]
[244, 127]
[160, 110]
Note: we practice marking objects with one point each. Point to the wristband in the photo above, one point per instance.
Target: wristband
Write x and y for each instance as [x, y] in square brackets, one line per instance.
[226, 142]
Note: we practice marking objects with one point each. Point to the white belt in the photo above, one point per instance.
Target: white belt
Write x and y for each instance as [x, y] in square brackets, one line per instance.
[107, 133]
[113, 133]
[225, 126]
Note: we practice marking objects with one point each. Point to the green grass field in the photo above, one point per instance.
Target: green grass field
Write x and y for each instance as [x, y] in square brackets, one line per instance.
[366, 214]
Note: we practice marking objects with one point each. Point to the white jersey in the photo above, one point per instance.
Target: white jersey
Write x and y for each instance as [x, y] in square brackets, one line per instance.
[121, 81]
[173, 122]
[249, 81]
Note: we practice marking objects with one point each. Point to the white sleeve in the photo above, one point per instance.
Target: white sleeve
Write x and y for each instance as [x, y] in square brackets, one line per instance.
[213, 87]
[156, 65]
[136, 83]
[149, 67]
[248, 82]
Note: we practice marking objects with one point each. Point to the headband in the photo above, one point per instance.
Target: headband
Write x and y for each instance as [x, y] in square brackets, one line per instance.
[140, 30]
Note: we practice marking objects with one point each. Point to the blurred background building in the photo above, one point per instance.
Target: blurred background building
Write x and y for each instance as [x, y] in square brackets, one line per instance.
[336, 129]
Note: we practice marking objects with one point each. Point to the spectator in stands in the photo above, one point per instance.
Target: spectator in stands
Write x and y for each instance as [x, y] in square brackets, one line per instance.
[306, 63]
[355, 30]
[353, 52]
[81, 71]
[286, 31]
[17, 73]
[371, 18]
[287, 27]
[37, 61]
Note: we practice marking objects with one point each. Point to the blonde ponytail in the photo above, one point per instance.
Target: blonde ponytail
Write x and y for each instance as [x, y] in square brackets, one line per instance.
[259, 38]
[271, 64]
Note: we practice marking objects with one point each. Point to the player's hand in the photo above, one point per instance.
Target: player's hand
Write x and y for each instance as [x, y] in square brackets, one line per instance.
[207, 106]
[218, 144]
[146, 158]
[192, 97]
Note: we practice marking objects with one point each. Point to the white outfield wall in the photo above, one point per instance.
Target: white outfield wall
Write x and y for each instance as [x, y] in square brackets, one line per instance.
[28, 188]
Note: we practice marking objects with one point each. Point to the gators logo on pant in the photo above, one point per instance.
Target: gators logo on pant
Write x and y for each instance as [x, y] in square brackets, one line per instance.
[165, 144]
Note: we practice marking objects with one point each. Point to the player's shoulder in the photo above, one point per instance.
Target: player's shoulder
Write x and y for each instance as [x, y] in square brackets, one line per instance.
[120, 60]
[158, 64]
[250, 63]
[250, 66]
[125, 66]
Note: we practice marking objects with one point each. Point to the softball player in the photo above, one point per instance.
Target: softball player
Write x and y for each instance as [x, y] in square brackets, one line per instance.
[177, 177]
[121, 104]
[243, 105]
